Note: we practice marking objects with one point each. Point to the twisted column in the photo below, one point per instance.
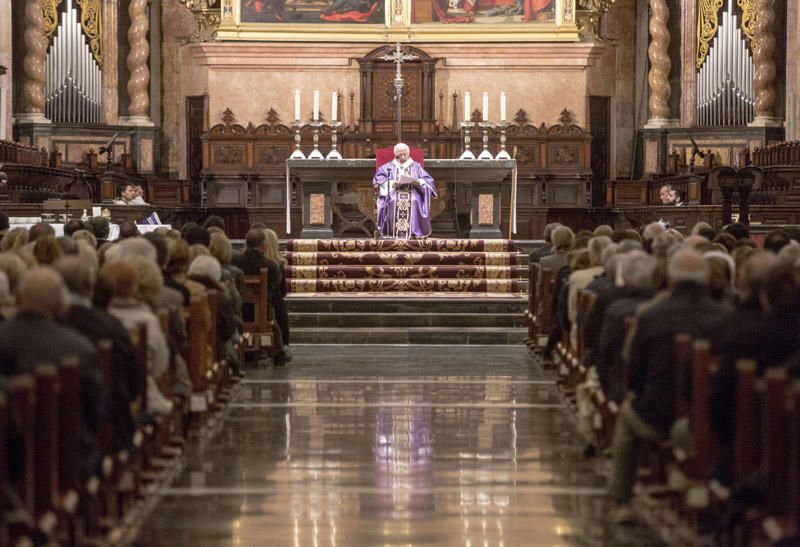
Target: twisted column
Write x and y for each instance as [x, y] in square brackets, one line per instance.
[139, 106]
[660, 64]
[763, 51]
[34, 61]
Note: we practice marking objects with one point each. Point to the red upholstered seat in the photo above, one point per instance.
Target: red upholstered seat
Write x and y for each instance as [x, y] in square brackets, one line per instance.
[385, 155]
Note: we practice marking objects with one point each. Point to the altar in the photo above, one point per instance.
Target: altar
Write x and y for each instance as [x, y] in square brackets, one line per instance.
[327, 185]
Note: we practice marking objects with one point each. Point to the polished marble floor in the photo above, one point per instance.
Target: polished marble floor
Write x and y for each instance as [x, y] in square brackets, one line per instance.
[356, 446]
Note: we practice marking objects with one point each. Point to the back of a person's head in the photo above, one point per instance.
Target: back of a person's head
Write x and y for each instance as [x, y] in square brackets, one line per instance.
[197, 250]
[85, 235]
[621, 235]
[661, 244]
[708, 233]
[272, 250]
[596, 247]
[128, 229]
[580, 242]
[159, 243]
[609, 252]
[652, 230]
[701, 226]
[603, 230]
[178, 256]
[205, 266]
[121, 278]
[215, 221]
[40, 230]
[41, 290]
[722, 274]
[579, 259]
[79, 275]
[781, 285]
[14, 239]
[187, 226]
[698, 243]
[195, 235]
[548, 231]
[687, 266]
[150, 280]
[627, 245]
[5, 290]
[636, 269]
[3, 221]
[220, 247]
[726, 240]
[754, 271]
[73, 226]
[562, 238]
[14, 267]
[67, 245]
[258, 226]
[255, 238]
[738, 230]
[99, 226]
[790, 252]
[128, 248]
[775, 241]
[46, 250]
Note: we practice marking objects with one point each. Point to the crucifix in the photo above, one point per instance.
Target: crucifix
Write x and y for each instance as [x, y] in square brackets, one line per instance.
[398, 58]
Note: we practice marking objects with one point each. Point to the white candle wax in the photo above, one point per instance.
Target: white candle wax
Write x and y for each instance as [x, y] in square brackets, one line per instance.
[316, 105]
[466, 106]
[503, 106]
[486, 106]
[296, 104]
[334, 106]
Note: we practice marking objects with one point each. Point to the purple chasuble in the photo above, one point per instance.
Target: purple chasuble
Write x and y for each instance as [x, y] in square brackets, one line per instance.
[420, 198]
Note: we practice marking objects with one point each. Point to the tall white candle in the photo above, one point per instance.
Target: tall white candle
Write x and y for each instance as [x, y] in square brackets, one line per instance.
[466, 106]
[296, 104]
[315, 116]
[486, 106]
[503, 106]
[334, 105]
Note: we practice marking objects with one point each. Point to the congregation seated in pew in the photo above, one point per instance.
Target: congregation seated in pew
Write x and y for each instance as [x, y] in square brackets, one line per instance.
[131, 315]
[620, 339]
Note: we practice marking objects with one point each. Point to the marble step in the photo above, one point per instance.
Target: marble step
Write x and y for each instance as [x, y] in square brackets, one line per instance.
[371, 319]
[410, 335]
[385, 258]
[409, 245]
[407, 303]
[350, 271]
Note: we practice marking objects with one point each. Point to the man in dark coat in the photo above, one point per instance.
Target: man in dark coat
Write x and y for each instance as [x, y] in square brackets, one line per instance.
[688, 308]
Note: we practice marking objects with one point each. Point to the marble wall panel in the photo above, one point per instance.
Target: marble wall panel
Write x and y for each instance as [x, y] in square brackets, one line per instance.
[5, 60]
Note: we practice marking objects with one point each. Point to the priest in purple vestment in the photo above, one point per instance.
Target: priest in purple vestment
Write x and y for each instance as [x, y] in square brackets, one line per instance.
[422, 190]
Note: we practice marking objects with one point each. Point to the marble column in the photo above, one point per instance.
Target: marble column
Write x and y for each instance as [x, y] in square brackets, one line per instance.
[660, 65]
[110, 68]
[792, 70]
[689, 65]
[763, 52]
[33, 65]
[138, 82]
[6, 74]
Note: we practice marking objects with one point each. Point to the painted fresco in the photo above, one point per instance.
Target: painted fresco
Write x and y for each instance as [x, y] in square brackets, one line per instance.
[312, 11]
[483, 11]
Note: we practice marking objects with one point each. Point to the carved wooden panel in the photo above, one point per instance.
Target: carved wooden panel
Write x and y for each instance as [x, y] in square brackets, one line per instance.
[267, 194]
[384, 92]
[564, 156]
[271, 155]
[228, 155]
[227, 193]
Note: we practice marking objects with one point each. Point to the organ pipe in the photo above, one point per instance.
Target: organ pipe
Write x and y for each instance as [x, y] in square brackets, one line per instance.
[725, 95]
[74, 80]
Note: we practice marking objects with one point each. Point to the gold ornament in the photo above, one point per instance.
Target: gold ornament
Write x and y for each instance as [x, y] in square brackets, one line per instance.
[50, 9]
[707, 24]
[748, 19]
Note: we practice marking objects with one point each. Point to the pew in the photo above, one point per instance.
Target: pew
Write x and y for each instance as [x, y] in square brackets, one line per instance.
[256, 314]
[746, 440]
[703, 366]
[775, 445]
[533, 303]
[545, 319]
[195, 348]
[4, 417]
[22, 393]
[45, 449]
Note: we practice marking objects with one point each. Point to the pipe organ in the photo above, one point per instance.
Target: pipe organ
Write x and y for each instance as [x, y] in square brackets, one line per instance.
[73, 88]
[725, 94]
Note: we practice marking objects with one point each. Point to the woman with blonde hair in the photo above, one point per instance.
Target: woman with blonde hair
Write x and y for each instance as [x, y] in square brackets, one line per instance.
[14, 239]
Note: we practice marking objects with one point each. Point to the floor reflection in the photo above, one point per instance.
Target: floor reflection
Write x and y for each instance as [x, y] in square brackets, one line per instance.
[417, 449]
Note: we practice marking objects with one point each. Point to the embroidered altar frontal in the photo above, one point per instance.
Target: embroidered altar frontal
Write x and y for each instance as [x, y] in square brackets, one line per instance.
[407, 266]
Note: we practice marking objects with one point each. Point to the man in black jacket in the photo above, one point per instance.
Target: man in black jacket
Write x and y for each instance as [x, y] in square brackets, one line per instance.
[33, 337]
[650, 413]
[96, 325]
[251, 261]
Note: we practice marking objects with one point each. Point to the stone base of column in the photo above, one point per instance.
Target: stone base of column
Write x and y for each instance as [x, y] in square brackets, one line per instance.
[30, 118]
[138, 121]
[766, 121]
[661, 123]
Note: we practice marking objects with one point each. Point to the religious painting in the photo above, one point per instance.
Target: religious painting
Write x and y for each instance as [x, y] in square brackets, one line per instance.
[483, 11]
[312, 11]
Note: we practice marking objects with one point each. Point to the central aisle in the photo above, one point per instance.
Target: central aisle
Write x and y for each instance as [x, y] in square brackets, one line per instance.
[392, 445]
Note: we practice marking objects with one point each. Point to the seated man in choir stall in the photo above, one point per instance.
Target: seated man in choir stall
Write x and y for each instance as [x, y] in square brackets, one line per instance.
[404, 191]
[669, 195]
